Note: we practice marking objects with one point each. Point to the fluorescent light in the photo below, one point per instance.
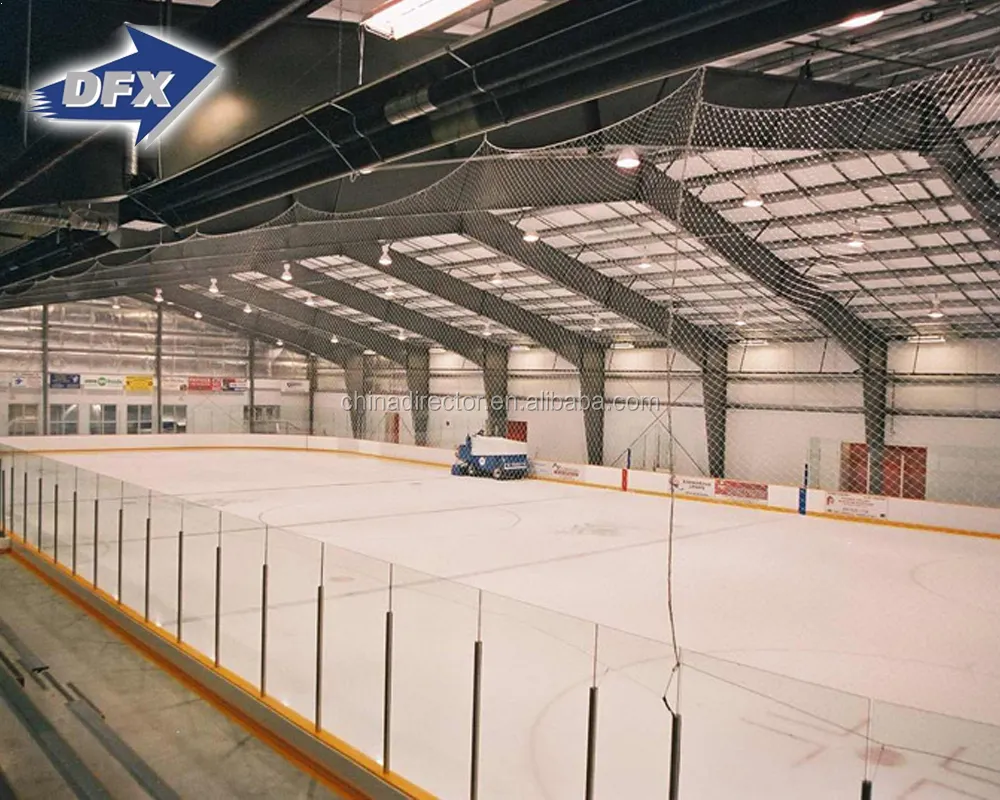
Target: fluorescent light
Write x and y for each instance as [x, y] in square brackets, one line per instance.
[368, 353]
[385, 259]
[143, 225]
[755, 342]
[927, 339]
[860, 20]
[437, 350]
[628, 159]
[644, 264]
[623, 346]
[396, 19]
[520, 348]
[741, 322]
[366, 170]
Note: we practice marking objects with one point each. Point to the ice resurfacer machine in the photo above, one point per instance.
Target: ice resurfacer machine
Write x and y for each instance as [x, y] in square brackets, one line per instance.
[491, 455]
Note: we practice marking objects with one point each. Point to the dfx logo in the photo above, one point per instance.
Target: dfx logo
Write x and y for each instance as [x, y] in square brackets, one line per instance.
[149, 88]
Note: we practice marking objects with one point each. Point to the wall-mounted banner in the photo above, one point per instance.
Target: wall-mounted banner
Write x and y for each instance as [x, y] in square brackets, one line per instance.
[199, 383]
[148, 87]
[138, 383]
[856, 505]
[295, 387]
[174, 384]
[26, 382]
[104, 382]
[234, 385]
[64, 380]
[694, 487]
[745, 491]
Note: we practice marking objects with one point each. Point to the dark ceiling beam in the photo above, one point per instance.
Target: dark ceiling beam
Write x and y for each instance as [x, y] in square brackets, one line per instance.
[320, 320]
[467, 345]
[260, 325]
[700, 346]
[582, 352]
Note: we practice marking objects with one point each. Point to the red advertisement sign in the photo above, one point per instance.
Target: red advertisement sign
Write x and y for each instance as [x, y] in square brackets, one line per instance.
[197, 383]
[741, 490]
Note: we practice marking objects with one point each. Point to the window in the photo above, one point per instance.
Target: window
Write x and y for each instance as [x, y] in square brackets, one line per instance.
[138, 419]
[174, 419]
[265, 418]
[64, 419]
[103, 419]
[22, 419]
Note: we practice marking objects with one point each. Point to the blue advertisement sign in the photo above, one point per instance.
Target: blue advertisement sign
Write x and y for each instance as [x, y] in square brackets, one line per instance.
[64, 380]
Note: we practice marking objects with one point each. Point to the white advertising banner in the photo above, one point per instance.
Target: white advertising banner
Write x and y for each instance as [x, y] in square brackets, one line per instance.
[26, 382]
[115, 383]
[693, 487]
[295, 387]
[857, 505]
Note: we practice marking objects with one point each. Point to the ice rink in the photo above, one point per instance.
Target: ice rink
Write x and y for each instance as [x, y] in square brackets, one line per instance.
[790, 623]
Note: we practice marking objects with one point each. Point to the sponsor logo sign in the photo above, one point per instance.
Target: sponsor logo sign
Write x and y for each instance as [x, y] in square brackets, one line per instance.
[138, 383]
[856, 505]
[562, 471]
[695, 487]
[198, 383]
[64, 380]
[104, 382]
[295, 387]
[741, 490]
[25, 382]
[147, 88]
[234, 385]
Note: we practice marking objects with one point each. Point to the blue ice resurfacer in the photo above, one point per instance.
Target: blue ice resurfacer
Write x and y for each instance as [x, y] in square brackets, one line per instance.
[491, 455]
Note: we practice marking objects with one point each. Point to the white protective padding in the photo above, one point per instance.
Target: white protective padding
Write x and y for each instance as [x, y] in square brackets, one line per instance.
[497, 446]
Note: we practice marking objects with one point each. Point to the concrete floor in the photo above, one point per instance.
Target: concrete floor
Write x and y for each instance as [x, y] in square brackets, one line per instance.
[191, 746]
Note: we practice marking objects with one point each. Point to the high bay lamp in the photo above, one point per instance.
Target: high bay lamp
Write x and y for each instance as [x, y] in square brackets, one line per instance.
[396, 19]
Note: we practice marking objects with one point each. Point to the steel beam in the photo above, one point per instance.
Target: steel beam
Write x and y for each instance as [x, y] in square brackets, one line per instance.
[579, 350]
[700, 346]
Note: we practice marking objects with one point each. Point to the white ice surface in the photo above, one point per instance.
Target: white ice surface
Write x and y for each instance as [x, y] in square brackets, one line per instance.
[901, 616]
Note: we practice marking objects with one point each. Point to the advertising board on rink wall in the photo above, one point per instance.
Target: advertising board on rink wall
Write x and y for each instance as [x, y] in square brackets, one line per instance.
[856, 505]
[693, 487]
[744, 491]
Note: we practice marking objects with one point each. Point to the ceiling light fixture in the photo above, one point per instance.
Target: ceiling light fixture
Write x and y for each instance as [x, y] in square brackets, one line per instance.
[198, 315]
[628, 158]
[753, 200]
[213, 286]
[531, 237]
[927, 339]
[623, 346]
[740, 318]
[755, 342]
[497, 280]
[385, 259]
[396, 19]
[855, 241]
[115, 304]
[310, 301]
[366, 170]
[389, 293]
[401, 335]
[334, 340]
[158, 297]
[935, 312]
[247, 309]
[286, 273]
[520, 348]
[860, 20]
[279, 343]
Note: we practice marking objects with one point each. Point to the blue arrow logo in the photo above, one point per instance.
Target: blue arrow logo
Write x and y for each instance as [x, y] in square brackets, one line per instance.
[153, 87]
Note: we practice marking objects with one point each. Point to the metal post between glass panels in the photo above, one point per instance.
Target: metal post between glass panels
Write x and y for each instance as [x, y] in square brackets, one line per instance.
[3, 492]
[121, 526]
[180, 580]
[675, 742]
[41, 497]
[24, 517]
[477, 700]
[387, 688]
[55, 522]
[97, 524]
[75, 520]
[263, 617]
[145, 601]
[318, 716]
[592, 725]
[218, 602]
